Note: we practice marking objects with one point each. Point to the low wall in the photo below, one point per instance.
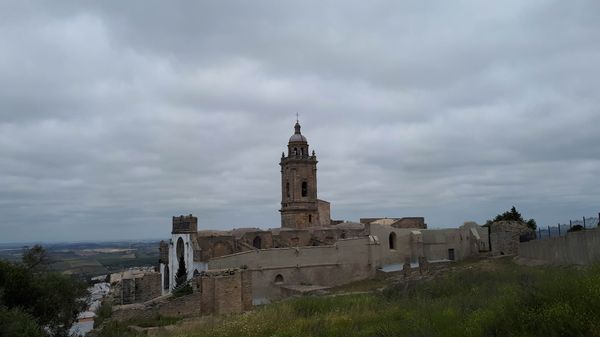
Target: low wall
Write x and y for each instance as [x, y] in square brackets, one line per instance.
[580, 248]
[185, 306]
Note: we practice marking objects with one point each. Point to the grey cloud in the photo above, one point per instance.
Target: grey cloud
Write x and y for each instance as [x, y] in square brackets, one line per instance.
[115, 116]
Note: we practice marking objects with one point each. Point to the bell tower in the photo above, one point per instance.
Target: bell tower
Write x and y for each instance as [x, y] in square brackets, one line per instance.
[299, 206]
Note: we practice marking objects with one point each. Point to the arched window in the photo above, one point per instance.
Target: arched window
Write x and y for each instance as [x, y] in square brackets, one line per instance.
[392, 240]
[257, 243]
[166, 278]
[295, 151]
[180, 249]
[279, 279]
[302, 151]
[304, 188]
[287, 189]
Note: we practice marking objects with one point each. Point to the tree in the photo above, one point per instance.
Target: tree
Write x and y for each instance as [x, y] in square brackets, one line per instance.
[33, 296]
[575, 228]
[181, 276]
[17, 323]
[512, 215]
[36, 257]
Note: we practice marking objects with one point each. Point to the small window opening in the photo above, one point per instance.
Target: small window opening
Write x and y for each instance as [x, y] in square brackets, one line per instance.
[310, 218]
[166, 279]
[392, 240]
[451, 254]
[287, 189]
[278, 279]
[304, 188]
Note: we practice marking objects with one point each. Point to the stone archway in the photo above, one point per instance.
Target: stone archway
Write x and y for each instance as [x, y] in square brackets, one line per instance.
[257, 242]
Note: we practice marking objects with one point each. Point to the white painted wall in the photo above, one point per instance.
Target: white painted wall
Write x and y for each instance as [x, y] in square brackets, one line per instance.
[188, 256]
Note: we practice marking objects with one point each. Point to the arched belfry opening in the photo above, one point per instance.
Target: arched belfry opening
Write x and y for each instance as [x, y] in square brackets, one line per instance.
[392, 240]
[304, 189]
[257, 242]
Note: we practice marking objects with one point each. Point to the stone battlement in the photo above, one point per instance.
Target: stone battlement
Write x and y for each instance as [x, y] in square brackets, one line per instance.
[185, 224]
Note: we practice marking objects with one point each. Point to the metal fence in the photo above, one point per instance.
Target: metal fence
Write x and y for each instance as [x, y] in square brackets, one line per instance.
[544, 232]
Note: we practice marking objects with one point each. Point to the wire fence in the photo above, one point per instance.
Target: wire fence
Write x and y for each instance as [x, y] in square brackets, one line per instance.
[561, 229]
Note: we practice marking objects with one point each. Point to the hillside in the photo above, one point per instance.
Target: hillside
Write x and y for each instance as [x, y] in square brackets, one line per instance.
[485, 298]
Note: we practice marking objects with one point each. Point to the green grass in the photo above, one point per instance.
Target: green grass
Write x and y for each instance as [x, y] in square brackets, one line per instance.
[501, 299]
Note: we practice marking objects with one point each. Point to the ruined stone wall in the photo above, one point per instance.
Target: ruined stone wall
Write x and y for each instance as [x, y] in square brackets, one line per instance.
[216, 292]
[214, 246]
[265, 238]
[414, 222]
[138, 288]
[224, 292]
[295, 237]
[324, 208]
[505, 237]
[185, 306]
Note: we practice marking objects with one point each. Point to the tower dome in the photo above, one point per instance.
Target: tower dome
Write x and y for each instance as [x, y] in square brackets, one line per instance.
[297, 136]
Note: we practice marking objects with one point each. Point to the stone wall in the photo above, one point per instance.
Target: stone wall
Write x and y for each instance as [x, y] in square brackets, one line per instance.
[185, 224]
[579, 248]
[324, 208]
[505, 237]
[346, 261]
[216, 292]
[138, 288]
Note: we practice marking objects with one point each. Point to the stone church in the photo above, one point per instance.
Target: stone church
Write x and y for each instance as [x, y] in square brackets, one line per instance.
[309, 248]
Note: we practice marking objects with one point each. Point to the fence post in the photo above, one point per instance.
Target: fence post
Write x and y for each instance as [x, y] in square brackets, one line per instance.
[559, 229]
[549, 233]
[570, 224]
[584, 222]
[540, 231]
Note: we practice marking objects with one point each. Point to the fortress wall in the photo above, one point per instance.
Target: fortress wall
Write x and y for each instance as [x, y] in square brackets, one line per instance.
[346, 261]
[580, 248]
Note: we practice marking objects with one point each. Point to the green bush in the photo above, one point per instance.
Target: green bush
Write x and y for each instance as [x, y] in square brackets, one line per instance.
[185, 290]
[103, 313]
[17, 323]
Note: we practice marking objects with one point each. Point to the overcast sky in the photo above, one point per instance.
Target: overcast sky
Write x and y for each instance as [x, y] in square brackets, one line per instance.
[117, 115]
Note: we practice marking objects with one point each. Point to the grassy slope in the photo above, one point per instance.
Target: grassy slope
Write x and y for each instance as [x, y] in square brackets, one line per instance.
[496, 299]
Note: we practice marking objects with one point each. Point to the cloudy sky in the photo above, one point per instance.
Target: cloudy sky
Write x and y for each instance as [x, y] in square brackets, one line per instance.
[115, 116]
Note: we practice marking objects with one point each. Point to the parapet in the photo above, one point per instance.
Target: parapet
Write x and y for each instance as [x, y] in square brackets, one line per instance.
[185, 224]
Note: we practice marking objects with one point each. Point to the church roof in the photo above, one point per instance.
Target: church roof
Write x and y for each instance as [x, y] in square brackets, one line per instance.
[297, 136]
